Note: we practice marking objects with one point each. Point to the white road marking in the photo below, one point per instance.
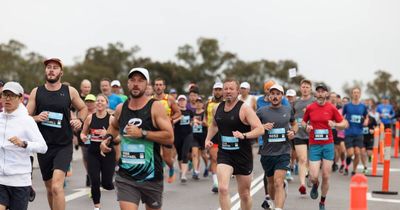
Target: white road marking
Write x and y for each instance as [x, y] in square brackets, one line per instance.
[370, 198]
[252, 192]
[80, 192]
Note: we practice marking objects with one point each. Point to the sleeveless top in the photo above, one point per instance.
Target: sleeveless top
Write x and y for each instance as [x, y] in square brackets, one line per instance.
[140, 158]
[95, 128]
[56, 130]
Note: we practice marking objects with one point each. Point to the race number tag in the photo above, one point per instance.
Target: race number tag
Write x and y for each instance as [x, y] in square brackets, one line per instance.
[54, 120]
[321, 134]
[133, 154]
[365, 130]
[197, 129]
[185, 120]
[230, 143]
[355, 118]
[277, 135]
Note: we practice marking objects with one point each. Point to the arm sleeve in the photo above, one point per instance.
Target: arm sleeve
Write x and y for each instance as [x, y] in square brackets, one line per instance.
[36, 142]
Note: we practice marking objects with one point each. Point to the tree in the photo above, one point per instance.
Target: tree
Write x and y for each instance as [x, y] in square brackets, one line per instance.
[347, 87]
[383, 85]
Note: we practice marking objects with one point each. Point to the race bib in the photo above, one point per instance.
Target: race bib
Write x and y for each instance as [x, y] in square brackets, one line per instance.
[133, 154]
[197, 129]
[299, 120]
[355, 118]
[277, 135]
[95, 135]
[230, 143]
[54, 120]
[321, 134]
[365, 130]
[89, 137]
[185, 120]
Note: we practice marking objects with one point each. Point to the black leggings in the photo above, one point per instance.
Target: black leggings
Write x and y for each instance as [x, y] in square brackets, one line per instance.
[183, 145]
[106, 166]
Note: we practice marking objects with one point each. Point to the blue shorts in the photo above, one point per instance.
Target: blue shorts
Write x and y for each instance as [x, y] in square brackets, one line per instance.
[272, 163]
[324, 151]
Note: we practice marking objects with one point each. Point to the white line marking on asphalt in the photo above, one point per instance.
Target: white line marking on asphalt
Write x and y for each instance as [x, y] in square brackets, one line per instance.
[80, 192]
[380, 169]
[253, 183]
[370, 198]
[252, 192]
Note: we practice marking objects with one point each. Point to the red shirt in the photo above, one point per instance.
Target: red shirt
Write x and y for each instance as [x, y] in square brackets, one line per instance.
[318, 116]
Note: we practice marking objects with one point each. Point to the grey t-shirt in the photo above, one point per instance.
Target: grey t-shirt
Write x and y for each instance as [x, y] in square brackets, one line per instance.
[299, 107]
[275, 140]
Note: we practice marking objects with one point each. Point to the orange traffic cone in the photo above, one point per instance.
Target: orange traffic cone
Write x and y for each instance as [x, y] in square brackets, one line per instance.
[358, 192]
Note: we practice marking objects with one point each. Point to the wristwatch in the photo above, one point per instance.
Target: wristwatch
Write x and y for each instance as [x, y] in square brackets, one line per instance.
[25, 144]
[144, 134]
[244, 136]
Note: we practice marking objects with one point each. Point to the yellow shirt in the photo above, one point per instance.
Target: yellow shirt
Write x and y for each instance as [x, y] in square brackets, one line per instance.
[165, 103]
[210, 107]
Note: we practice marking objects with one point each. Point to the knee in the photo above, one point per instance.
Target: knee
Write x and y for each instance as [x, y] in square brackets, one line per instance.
[56, 190]
[278, 183]
[302, 160]
[223, 190]
[245, 195]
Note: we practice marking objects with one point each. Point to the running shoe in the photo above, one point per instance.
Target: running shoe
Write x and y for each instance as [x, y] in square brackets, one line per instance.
[302, 190]
[335, 167]
[214, 189]
[171, 175]
[205, 174]
[183, 179]
[321, 206]
[314, 191]
[267, 204]
[195, 176]
[341, 169]
[365, 171]
[289, 176]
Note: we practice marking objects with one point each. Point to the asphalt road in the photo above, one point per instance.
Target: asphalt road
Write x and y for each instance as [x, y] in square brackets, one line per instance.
[197, 195]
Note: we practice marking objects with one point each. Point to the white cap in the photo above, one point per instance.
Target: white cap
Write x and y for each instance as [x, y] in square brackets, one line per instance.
[291, 92]
[115, 83]
[181, 97]
[276, 87]
[14, 87]
[245, 85]
[218, 85]
[143, 71]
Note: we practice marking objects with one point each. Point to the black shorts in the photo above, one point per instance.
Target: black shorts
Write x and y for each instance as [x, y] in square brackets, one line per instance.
[352, 141]
[272, 163]
[56, 157]
[240, 165]
[14, 197]
[298, 141]
[368, 142]
[216, 139]
[199, 141]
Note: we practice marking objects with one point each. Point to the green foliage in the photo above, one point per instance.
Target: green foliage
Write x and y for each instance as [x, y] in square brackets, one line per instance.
[383, 85]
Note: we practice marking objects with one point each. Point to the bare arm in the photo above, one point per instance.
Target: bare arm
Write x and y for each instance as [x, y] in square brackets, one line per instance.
[79, 105]
[249, 117]
[165, 135]
[31, 107]
[176, 112]
[212, 131]
[85, 128]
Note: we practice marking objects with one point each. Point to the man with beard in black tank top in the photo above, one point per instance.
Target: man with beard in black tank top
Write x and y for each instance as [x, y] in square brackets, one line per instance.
[237, 123]
[50, 106]
[143, 126]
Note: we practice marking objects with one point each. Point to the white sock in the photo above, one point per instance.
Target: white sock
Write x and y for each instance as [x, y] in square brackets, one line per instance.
[215, 179]
[278, 209]
[95, 208]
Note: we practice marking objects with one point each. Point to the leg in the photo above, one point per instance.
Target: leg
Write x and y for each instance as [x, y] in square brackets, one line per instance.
[357, 153]
[244, 184]
[326, 172]
[19, 198]
[301, 151]
[213, 166]
[94, 174]
[107, 171]
[57, 190]
[314, 171]
[196, 158]
[224, 173]
[124, 205]
[48, 185]
[279, 177]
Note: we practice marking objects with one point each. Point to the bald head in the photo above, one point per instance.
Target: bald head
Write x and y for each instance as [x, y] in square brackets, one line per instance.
[86, 87]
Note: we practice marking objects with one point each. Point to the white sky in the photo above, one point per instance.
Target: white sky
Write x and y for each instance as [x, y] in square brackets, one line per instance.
[332, 41]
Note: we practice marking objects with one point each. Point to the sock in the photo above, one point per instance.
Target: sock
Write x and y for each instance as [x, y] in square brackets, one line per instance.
[215, 179]
[323, 199]
[267, 197]
[348, 161]
[342, 162]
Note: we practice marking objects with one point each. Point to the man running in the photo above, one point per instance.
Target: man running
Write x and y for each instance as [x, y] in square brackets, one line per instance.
[113, 99]
[245, 95]
[338, 138]
[143, 126]
[174, 113]
[356, 114]
[237, 124]
[301, 139]
[50, 106]
[280, 124]
[321, 117]
[209, 118]
[386, 112]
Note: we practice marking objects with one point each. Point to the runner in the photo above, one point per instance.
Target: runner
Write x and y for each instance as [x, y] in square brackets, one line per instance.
[183, 133]
[93, 129]
[356, 114]
[193, 95]
[173, 112]
[113, 99]
[237, 123]
[280, 126]
[116, 88]
[199, 137]
[85, 88]
[301, 138]
[338, 138]
[368, 132]
[17, 143]
[143, 126]
[209, 118]
[322, 116]
[386, 112]
[50, 105]
[245, 95]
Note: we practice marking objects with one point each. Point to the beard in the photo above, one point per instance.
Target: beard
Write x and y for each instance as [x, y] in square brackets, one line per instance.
[52, 81]
[320, 100]
[138, 95]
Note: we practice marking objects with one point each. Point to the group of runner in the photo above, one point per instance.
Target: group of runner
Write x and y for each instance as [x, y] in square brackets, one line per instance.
[129, 139]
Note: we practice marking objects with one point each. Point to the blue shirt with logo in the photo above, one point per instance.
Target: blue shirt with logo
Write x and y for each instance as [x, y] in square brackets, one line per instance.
[355, 114]
[386, 112]
[113, 101]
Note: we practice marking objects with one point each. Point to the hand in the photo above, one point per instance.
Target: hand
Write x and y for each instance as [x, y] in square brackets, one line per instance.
[331, 123]
[16, 141]
[238, 134]
[104, 147]
[76, 124]
[268, 126]
[309, 128]
[133, 131]
[196, 121]
[84, 137]
[290, 134]
[103, 132]
[41, 117]
[208, 144]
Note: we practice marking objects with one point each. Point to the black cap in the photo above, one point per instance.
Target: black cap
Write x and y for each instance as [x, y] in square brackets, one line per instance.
[321, 85]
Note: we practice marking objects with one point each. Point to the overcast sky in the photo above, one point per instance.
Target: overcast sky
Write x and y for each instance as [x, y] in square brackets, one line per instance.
[332, 41]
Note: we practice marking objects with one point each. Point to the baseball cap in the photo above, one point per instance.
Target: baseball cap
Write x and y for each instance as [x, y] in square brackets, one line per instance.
[199, 99]
[385, 97]
[115, 83]
[290, 92]
[268, 84]
[53, 60]
[14, 87]
[245, 85]
[321, 85]
[218, 85]
[90, 97]
[276, 87]
[173, 90]
[143, 71]
[181, 97]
